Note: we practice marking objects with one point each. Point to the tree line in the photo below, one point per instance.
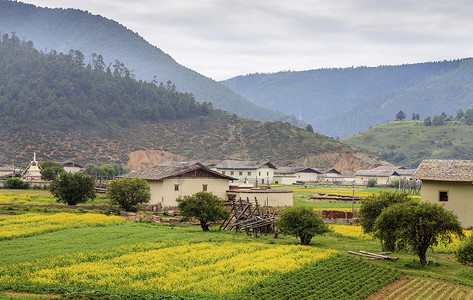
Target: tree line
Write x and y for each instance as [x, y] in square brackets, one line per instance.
[64, 91]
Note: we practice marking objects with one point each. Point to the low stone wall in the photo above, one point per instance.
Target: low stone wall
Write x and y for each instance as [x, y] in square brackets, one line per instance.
[154, 217]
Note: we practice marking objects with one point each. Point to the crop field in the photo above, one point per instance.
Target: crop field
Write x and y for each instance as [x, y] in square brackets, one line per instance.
[205, 269]
[38, 197]
[94, 256]
[33, 224]
[423, 288]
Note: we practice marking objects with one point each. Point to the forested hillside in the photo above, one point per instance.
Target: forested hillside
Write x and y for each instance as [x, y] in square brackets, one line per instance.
[65, 29]
[341, 102]
[407, 143]
[63, 108]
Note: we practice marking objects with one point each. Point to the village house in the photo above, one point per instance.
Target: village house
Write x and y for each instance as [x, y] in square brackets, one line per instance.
[71, 167]
[382, 177]
[291, 175]
[171, 182]
[329, 175]
[450, 184]
[247, 171]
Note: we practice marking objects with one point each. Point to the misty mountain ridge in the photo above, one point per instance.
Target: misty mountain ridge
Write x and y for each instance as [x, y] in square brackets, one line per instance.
[344, 101]
[65, 29]
[58, 106]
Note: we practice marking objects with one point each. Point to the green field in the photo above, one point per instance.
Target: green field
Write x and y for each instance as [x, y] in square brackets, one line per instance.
[407, 143]
[89, 256]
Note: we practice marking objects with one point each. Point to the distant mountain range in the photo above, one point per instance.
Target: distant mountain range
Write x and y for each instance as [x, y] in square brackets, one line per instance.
[65, 29]
[342, 102]
[58, 106]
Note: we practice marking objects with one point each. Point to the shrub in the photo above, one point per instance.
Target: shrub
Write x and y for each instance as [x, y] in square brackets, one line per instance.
[16, 183]
[464, 253]
[204, 206]
[372, 182]
[129, 192]
[302, 222]
[73, 188]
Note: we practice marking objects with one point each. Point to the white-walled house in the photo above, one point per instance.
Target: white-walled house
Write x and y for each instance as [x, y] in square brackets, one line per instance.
[291, 175]
[247, 171]
[382, 177]
[448, 183]
[171, 182]
[329, 175]
[71, 167]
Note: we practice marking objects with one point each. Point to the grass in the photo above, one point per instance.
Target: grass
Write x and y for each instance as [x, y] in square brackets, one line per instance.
[416, 141]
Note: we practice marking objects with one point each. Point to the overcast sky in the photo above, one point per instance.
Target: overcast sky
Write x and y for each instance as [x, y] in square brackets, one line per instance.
[225, 38]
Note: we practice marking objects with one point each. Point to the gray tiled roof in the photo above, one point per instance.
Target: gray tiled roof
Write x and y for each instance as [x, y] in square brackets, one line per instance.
[243, 164]
[326, 170]
[375, 173]
[292, 170]
[445, 170]
[162, 172]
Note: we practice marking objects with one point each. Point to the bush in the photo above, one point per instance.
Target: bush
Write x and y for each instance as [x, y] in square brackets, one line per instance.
[372, 182]
[73, 188]
[16, 183]
[302, 222]
[464, 253]
[204, 206]
[129, 192]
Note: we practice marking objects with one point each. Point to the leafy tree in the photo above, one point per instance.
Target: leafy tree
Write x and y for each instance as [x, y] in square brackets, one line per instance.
[416, 226]
[460, 113]
[302, 222]
[438, 120]
[204, 206]
[16, 183]
[129, 192]
[73, 188]
[372, 182]
[427, 121]
[413, 117]
[373, 205]
[469, 116]
[309, 128]
[50, 170]
[417, 116]
[400, 116]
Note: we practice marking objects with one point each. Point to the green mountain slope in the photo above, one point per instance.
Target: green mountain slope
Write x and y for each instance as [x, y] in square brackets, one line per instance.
[53, 104]
[62, 30]
[407, 143]
[341, 102]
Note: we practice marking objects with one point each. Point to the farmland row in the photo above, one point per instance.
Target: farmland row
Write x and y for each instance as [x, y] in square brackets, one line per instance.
[163, 268]
[339, 277]
[34, 224]
[413, 287]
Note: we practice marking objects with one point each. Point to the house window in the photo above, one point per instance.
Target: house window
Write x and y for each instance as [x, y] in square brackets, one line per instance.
[231, 173]
[259, 173]
[249, 173]
[176, 187]
[204, 187]
[267, 173]
[443, 196]
[223, 172]
[241, 173]
[262, 181]
[277, 182]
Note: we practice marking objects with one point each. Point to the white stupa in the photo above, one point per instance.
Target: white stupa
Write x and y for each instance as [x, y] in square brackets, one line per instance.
[33, 171]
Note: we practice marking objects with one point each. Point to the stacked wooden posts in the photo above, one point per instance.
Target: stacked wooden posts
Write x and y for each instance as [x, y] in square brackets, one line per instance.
[250, 217]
